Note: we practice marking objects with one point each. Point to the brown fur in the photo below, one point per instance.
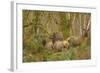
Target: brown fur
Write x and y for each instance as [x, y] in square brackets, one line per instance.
[49, 45]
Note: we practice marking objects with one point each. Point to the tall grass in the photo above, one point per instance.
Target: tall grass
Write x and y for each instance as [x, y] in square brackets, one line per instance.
[38, 53]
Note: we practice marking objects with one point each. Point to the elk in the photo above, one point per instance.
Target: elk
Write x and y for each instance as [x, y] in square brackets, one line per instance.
[47, 43]
[65, 43]
[77, 40]
[60, 45]
[56, 42]
[56, 36]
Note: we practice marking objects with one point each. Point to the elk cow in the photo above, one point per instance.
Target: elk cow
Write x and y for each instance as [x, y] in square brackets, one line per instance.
[60, 45]
[65, 43]
[56, 37]
[77, 40]
[49, 45]
[56, 42]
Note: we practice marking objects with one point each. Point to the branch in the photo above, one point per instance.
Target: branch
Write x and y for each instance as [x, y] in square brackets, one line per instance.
[89, 22]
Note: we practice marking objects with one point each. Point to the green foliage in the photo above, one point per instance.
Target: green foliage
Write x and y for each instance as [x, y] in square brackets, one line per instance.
[39, 25]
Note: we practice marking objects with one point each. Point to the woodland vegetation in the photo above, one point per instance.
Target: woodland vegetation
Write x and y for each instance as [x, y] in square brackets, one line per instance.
[55, 36]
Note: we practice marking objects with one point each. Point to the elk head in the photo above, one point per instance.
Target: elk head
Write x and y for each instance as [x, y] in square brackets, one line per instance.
[56, 37]
[86, 29]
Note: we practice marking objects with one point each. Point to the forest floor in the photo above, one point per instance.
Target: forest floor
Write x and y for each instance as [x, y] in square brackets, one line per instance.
[72, 53]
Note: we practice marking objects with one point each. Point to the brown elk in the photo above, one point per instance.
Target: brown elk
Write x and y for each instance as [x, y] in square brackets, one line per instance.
[60, 45]
[65, 43]
[56, 42]
[56, 36]
[77, 40]
[49, 45]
